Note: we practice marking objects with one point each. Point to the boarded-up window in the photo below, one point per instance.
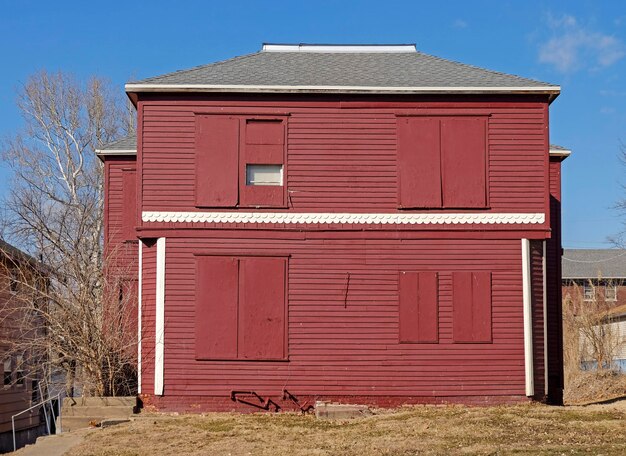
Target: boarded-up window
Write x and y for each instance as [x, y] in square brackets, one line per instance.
[264, 152]
[418, 307]
[129, 210]
[442, 162]
[240, 161]
[419, 165]
[463, 147]
[471, 301]
[240, 308]
[217, 161]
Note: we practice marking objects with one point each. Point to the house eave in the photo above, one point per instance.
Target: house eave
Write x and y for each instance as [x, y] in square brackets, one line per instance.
[101, 153]
[552, 91]
[562, 153]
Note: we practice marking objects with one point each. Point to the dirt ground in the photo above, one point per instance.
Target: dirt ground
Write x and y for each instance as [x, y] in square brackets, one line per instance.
[585, 387]
[524, 429]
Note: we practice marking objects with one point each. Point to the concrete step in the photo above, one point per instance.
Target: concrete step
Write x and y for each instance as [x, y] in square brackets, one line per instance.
[79, 413]
[113, 411]
[71, 423]
[129, 401]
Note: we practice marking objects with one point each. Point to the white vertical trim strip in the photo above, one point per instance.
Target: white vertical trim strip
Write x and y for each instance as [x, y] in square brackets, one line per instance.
[160, 317]
[528, 324]
[139, 336]
[545, 321]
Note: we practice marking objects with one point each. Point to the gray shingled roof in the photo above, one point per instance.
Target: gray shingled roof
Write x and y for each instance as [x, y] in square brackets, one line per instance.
[342, 69]
[594, 263]
[124, 144]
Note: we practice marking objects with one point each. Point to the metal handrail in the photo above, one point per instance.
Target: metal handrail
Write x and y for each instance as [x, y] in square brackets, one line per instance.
[50, 399]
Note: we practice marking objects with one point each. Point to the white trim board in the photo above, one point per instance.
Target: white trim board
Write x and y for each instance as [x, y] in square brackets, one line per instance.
[486, 218]
[116, 151]
[351, 48]
[554, 90]
[528, 323]
[139, 335]
[159, 318]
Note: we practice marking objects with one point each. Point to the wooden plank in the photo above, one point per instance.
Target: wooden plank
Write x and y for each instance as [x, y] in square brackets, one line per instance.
[463, 158]
[217, 160]
[262, 308]
[215, 319]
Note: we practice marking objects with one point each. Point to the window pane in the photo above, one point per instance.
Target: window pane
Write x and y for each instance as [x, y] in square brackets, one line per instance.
[610, 292]
[7, 371]
[589, 292]
[264, 174]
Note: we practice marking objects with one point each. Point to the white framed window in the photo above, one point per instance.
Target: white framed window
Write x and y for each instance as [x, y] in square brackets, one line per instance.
[610, 292]
[589, 292]
[264, 175]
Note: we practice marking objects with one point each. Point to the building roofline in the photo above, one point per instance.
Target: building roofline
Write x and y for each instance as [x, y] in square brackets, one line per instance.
[103, 152]
[560, 152]
[178, 88]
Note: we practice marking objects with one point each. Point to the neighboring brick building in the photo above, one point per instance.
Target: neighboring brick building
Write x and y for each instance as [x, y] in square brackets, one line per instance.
[595, 274]
[21, 385]
[596, 278]
[356, 223]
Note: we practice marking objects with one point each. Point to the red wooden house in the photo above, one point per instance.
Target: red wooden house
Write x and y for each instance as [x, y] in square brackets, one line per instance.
[364, 224]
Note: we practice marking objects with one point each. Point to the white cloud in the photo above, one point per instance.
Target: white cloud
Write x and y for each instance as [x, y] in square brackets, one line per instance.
[460, 24]
[574, 47]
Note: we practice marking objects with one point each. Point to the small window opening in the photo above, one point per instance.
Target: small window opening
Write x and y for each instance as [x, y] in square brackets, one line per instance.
[34, 392]
[19, 377]
[610, 292]
[589, 292]
[264, 175]
[8, 377]
[14, 282]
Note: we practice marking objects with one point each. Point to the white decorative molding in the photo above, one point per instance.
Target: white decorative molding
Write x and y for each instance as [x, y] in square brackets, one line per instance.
[159, 317]
[528, 322]
[485, 218]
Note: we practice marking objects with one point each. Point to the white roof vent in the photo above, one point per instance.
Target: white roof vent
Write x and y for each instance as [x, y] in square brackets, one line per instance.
[351, 48]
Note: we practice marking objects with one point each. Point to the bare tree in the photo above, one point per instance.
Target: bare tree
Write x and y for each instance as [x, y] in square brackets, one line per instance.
[54, 212]
[590, 332]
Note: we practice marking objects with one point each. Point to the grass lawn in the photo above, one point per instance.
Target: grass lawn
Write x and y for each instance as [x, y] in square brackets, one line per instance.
[523, 429]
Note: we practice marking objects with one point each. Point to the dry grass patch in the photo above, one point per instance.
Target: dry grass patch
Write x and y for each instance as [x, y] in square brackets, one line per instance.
[527, 429]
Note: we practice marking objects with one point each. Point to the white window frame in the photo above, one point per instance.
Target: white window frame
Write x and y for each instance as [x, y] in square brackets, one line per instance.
[613, 289]
[250, 182]
[589, 292]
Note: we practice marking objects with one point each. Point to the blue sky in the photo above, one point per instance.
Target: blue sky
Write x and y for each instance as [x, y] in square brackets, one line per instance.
[580, 45]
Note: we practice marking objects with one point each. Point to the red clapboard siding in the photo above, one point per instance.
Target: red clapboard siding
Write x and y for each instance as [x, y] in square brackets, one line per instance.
[217, 161]
[129, 195]
[553, 285]
[418, 298]
[472, 306]
[344, 159]
[217, 296]
[536, 280]
[148, 299]
[343, 338]
[120, 217]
